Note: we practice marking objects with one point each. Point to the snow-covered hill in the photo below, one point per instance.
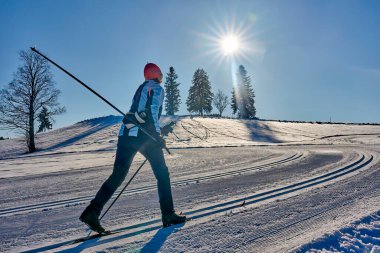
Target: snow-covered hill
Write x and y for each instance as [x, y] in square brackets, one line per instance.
[101, 134]
[92, 142]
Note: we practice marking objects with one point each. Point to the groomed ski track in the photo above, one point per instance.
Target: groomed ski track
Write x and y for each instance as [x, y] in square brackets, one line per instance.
[79, 200]
[343, 167]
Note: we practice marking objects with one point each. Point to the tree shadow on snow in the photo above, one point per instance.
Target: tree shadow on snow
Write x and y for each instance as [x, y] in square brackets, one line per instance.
[261, 132]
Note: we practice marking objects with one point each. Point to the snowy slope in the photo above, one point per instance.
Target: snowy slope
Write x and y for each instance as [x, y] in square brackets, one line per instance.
[92, 142]
[101, 133]
[254, 186]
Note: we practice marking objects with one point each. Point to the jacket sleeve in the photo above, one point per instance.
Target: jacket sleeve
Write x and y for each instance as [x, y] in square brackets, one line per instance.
[156, 106]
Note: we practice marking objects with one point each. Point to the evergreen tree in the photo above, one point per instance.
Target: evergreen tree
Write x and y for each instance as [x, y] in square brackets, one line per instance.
[200, 95]
[243, 100]
[172, 98]
[220, 102]
[44, 119]
[234, 106]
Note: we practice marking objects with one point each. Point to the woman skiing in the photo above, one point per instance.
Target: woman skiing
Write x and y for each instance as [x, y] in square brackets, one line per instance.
[145, 110]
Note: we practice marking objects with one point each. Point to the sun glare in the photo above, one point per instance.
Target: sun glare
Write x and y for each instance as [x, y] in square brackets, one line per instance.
[229, 44]
[231, 41]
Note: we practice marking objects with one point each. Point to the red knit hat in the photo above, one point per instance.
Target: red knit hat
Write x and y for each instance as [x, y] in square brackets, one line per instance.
[152, 71]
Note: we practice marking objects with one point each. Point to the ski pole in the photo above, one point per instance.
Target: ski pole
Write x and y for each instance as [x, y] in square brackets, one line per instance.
[97, 94]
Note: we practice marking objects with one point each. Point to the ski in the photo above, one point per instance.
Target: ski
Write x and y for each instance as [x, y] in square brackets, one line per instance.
[110, 232]
[98, 235]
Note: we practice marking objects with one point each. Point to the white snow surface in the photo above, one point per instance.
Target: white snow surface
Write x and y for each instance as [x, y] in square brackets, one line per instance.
[248, 185]
[360, 236]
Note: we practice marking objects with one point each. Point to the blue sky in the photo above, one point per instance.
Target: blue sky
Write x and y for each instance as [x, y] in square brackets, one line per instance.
[309, 60]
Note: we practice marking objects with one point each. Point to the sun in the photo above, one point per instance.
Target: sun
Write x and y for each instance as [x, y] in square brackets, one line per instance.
[230, 41]
[230, 44]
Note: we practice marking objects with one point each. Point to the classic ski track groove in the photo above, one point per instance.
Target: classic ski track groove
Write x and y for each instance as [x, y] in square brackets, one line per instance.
[78, 200]
[219, 209]
[260, 236]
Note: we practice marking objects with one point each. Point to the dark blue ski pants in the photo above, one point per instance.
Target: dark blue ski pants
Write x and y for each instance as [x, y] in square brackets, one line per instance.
[127, 147]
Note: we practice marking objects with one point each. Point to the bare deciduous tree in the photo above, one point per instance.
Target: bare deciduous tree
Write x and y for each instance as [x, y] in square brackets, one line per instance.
[220, 102]
[31, 89]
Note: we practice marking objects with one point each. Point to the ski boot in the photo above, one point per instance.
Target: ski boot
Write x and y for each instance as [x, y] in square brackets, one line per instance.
[173, 219]
[91, 219]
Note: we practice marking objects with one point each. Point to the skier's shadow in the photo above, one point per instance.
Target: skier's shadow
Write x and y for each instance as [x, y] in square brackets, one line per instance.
[155, 244]
[80, 247]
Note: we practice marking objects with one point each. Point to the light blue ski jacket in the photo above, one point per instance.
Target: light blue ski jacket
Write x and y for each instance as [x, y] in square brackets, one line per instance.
[148, 98]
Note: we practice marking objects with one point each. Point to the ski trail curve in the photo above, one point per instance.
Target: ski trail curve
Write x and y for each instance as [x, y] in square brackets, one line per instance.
[203, 214]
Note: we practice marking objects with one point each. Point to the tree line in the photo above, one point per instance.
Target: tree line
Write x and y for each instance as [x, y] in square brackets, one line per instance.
[31, 97]
[201, 99]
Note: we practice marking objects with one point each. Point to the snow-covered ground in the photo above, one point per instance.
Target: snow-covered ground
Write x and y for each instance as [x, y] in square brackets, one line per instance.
[360, 236]
[249, 186]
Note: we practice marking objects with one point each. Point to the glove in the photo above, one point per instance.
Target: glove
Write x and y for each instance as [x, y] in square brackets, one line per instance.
[167, 128]
[129, 119]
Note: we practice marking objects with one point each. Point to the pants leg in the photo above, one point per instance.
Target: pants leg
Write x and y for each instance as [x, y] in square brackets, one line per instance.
[124, 157]
[156, 159]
